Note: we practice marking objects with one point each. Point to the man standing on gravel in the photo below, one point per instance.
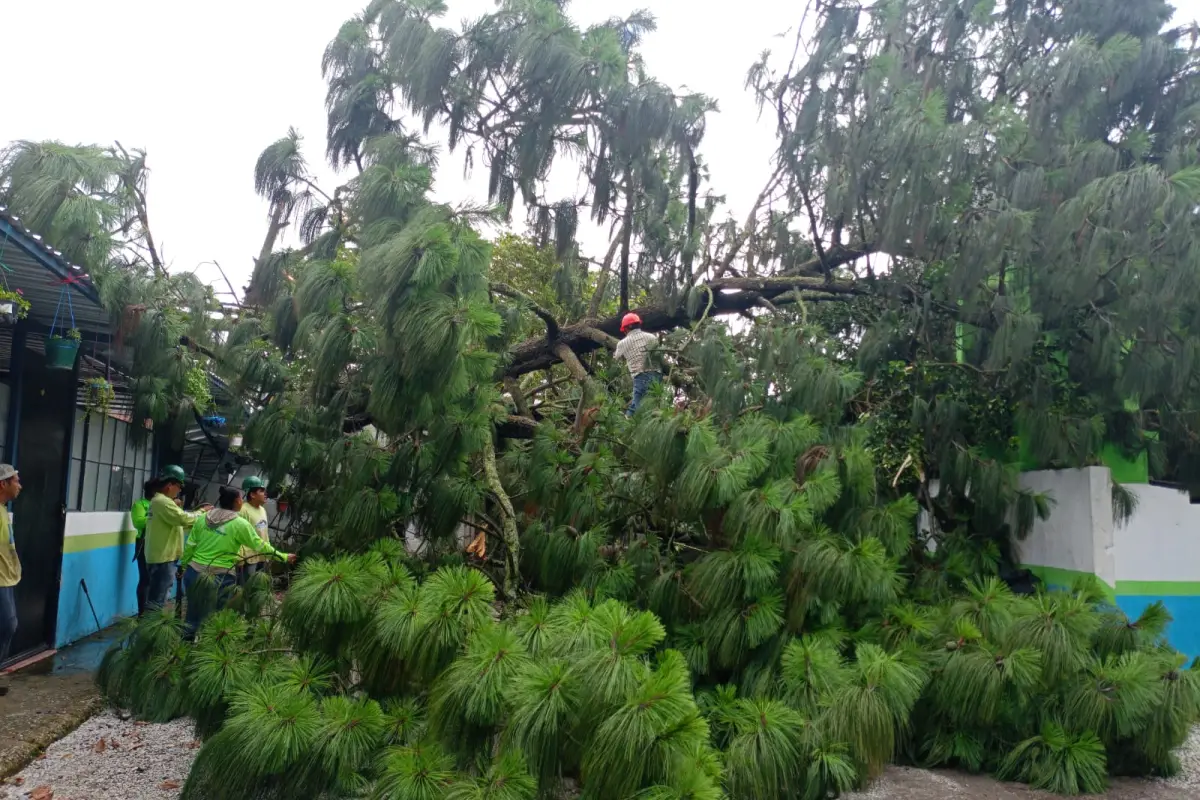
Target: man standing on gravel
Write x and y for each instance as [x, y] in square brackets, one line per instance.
[165, 530]
[10, 564]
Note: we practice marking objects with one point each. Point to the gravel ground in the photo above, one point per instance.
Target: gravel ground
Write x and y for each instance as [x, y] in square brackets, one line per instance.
[108, 758]
[907, 783]
[1189, 757]
[138, 761]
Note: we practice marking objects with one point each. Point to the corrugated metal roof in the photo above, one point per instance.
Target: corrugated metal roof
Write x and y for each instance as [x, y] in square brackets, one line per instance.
[41, 273]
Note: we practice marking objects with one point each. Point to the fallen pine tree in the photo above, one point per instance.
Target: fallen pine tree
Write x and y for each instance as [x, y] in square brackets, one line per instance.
[714, 605]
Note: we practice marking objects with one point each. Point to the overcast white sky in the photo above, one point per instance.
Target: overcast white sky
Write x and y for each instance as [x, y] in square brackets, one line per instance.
[205, 87]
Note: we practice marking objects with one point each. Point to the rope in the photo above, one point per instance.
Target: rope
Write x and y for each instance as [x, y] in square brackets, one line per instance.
[4, 266]
[66, 292]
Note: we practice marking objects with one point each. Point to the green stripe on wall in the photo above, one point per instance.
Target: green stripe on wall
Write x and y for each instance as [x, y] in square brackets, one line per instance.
[97, 541]
[1158, 588]
[1057, 576]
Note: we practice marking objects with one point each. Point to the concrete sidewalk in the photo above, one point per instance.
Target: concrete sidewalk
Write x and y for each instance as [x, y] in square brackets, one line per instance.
[48, 699]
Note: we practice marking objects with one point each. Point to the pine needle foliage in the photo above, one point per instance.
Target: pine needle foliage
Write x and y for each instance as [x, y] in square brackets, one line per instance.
[727, 594]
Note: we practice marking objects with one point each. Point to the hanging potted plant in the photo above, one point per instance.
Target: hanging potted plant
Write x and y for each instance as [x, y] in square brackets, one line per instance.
[62, 345]
[12, 307]
[62, 348]
[98, 396]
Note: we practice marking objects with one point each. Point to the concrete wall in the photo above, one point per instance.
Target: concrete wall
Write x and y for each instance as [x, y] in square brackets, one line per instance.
[98, 548]
[1158, 558]
[1155, 556]
[1078, 537]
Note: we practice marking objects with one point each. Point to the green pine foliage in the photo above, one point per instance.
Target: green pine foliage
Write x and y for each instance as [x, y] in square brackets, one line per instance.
[741, 610]
[788, 569]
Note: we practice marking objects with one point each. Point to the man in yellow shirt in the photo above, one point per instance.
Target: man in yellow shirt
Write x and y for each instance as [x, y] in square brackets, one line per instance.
[254, 511]
[137, 515]
[10, 564]
[166, 524]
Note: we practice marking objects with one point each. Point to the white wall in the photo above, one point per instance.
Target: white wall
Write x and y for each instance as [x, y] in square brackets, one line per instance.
[1079, 535]
[86, 523]
[1161, 542]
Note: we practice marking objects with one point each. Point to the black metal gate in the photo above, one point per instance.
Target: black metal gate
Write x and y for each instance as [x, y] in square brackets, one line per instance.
[43, 437]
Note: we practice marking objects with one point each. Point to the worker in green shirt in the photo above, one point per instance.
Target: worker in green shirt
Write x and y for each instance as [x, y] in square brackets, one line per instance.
[137, 515]
[254, 511]
[166, 524]
[214, 550]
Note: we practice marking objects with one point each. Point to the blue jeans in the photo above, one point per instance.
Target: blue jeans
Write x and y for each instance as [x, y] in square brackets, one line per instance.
[641, 385]
[202, 603]
[161, 576]
[8, 619]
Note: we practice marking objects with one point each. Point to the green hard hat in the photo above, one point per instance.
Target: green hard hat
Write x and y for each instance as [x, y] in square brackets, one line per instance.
[173, 472]
[253, 482]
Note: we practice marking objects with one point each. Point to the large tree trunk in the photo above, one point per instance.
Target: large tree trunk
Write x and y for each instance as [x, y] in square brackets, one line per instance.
[276, 226]
[729, 296]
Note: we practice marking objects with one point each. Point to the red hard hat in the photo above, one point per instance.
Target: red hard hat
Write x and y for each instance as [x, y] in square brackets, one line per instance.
[630, 319]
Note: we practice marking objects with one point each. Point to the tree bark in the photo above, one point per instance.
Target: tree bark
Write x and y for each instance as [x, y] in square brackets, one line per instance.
[730, 296]
[278, 221]
[514, 388]
[605, 272]
[508, 521]
[626, 237]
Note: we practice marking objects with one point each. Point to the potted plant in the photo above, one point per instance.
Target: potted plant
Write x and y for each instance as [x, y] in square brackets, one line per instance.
[98, 396]
[12, 307]
[62, 349]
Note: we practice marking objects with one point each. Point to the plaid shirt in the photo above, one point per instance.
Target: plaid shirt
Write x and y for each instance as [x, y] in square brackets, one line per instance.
[633, 349]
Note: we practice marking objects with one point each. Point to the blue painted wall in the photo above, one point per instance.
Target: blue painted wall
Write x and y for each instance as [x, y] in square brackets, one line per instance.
[111, 579]
[1184, 631]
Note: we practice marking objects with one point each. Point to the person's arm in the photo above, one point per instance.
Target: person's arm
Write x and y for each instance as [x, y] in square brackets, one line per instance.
[174, 515]
[137, 515]
[619, 351]
[245, 535]
[189, 550]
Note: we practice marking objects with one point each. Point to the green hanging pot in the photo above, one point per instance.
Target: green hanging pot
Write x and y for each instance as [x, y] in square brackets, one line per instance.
[61, 353]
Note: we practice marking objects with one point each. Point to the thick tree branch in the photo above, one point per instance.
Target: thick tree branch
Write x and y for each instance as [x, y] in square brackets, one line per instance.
[605, 273]
[544, 315]
[730, 296]
[514, 388]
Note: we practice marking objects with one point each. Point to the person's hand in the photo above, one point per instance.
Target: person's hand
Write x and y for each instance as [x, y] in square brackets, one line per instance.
[291, 559]
[204, 507]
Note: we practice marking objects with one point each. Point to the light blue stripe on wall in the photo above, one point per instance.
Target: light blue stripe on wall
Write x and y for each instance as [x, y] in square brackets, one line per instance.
[111, 576]
[1184, 631]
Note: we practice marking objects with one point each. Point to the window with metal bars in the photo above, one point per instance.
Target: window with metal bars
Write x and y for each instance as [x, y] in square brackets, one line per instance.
[108, 464]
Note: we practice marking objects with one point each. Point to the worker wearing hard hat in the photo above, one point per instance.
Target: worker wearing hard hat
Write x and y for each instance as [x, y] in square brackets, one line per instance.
[213, 551]
[138, 514]
[166, 526]
[254, 511]
[633, 349]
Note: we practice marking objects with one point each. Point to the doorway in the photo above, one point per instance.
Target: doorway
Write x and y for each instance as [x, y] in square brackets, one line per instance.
[43, 441]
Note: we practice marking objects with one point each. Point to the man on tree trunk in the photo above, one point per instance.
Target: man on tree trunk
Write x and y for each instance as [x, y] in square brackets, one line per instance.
[633, 349]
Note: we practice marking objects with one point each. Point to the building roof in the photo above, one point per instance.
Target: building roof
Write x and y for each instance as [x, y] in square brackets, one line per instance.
[41, 273]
